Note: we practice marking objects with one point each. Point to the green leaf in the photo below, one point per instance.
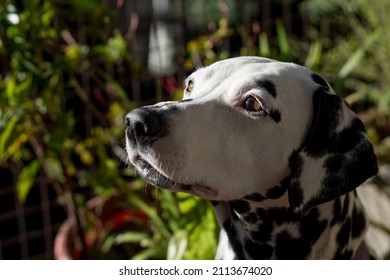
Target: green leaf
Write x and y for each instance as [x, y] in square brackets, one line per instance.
[168, 202]
[152, 214]
[130, 237]
[205, 232]
[177, 245]
[282, 39]
[54, 169]
[186, 202]
[354, 60]
[10, 90]
[26, 180]
[150, 253]
[122, 238]
[314, 57]
[116, 48]
[7, 132]
[264, 48]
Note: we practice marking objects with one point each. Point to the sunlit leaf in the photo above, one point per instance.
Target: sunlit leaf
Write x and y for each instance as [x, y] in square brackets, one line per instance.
[152, 214]
[7, 132]
[354, 60]
[122, 238]
[314, 56]
[282, 39]
[157, 252]
[177, 245]
[10, 90]
[116, 47]
[26, 180]
[264, 48]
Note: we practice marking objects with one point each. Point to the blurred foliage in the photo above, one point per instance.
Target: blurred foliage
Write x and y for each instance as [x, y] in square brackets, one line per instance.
[62, 105]
[61, 116]
[354, 38]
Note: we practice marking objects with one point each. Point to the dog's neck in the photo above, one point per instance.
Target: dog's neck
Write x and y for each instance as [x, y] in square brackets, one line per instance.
[333, 230]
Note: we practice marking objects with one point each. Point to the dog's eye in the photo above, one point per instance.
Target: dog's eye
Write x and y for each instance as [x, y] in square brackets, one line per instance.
[253, 105]
[190, 86]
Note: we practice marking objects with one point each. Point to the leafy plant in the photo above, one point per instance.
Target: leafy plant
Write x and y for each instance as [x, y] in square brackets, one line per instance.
[61, 116]
[354, 39]
[50, 81]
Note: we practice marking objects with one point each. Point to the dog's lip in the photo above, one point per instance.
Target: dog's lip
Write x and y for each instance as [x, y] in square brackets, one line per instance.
[199, 190]
[206, 191]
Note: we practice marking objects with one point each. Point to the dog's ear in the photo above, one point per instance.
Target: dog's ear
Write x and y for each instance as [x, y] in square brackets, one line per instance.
[336, 156]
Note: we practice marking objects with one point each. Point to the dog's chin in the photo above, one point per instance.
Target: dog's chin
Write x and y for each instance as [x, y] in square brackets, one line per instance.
[152, 175]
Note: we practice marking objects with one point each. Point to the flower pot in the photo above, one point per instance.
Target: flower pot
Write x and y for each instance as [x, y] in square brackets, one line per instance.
[64, 247]
[113, 219]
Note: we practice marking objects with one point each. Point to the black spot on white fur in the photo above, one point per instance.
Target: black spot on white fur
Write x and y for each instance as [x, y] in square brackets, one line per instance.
[344, 234]
[255, 197]
[295, 191]
[359, 222]
[276, 192]
[240, 206]
[268, 86]
[336, 211]
[275, 115]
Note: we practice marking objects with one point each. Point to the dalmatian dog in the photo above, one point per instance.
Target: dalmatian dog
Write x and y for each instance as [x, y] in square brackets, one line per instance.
[274, 149]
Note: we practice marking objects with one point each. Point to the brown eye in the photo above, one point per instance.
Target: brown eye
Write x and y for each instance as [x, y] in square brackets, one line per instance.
[190, 86]
[253, 105]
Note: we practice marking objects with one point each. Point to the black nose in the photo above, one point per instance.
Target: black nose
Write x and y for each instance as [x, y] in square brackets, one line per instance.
[145, 125]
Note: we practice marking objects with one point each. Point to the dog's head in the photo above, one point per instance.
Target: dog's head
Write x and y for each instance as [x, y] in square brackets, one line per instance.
[255, 128]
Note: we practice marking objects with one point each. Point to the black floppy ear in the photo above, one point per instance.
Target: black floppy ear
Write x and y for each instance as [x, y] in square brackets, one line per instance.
[336, 156]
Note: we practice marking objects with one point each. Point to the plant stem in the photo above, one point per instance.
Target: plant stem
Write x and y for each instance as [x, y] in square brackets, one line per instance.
[70, 202]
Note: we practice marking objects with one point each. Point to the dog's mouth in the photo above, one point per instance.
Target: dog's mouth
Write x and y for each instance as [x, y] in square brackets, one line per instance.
[152, 175]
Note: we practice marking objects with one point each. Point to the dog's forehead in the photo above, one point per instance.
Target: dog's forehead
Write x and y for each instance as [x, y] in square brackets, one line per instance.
[242, 71]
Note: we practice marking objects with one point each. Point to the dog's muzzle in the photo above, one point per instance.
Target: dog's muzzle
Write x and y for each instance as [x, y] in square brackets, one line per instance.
[145, 126]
